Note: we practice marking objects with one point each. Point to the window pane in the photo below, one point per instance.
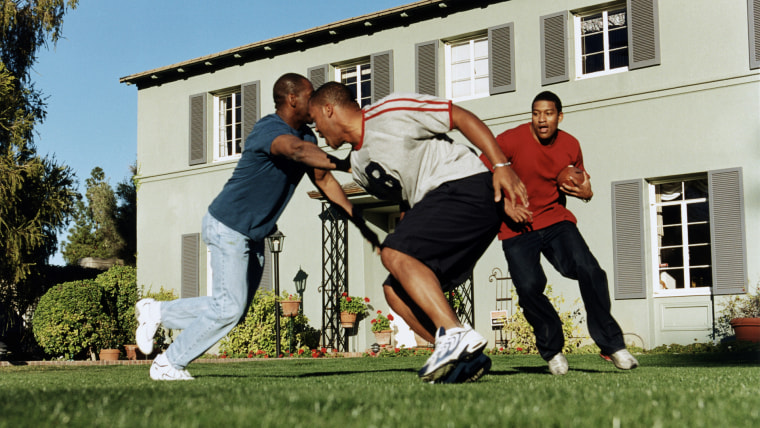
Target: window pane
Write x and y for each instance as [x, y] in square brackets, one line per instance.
[671, 235]
[461, 71]
[592, 24]
[593, 63]
[697, 212]
[699, 233]
[481, 48]
[699, 255]
[701, 277]
[671, 279]
[619, 58]
[671, 257]
[695, 189]
[618, 38]
[481, 85]
[671, 214]
[593, 43]
[460, 89]
[481, 67]
[366, 89]
[460, 52]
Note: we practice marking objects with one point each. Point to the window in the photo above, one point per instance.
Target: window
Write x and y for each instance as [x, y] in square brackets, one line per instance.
[228, 138]
[601, 42]
[358, 78]
[467, 74]
[681, 242]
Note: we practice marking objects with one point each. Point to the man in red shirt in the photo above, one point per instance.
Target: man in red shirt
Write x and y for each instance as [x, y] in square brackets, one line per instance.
[538, 151]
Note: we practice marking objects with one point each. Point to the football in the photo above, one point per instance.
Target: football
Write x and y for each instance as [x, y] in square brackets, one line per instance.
[570, 171]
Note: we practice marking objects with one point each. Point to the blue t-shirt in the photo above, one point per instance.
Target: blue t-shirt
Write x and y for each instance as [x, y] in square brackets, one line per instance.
[261, 184]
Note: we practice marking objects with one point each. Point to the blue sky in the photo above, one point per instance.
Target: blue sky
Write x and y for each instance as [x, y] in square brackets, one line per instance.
[92, 118]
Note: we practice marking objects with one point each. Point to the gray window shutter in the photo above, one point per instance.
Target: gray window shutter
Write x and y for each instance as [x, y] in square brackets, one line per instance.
[190, 275]
[753, 13]
[501, 55]
[628, 239]
[251, 107]
[729, 255]
[197, 129]
[643, 34]
[318, 75]
[382, 74]
[554, 60]
[267, 280]
[426, 67]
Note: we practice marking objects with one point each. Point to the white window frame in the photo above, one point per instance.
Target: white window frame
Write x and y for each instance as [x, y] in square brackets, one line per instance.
[220, 137]
[356, 67]
[470, 41]
[577, 17]
[658, 291]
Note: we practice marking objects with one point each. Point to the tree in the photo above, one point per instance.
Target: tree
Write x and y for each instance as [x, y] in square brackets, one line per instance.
[96, 229]
[36, 194]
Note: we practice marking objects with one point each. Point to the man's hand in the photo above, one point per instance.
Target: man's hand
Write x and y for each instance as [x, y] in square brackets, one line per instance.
[516, 201]
[581, 191]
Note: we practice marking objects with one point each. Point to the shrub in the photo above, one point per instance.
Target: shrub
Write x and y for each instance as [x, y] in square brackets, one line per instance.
[71, 321]
[742, 306]
[256, 332]
[119, 285]
[521, 336]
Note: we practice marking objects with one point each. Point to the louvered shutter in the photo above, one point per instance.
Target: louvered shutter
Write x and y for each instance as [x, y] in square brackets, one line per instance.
[643, 34]
[729, 255]
[197, 152]
[628, 239]
[251, 107]
[426, 67]
[554, 68]
[189, 279]
[753, 13]
[382, 74]
[501, 56]
[318, 75]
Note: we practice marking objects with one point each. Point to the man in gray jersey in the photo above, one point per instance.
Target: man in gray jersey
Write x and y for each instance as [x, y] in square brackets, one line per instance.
[401, 153]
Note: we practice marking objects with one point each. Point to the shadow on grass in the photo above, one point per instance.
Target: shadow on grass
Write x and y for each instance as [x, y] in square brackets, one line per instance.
[702, 360]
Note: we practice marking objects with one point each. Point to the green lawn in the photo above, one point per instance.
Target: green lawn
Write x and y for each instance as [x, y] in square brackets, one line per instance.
[704, 390]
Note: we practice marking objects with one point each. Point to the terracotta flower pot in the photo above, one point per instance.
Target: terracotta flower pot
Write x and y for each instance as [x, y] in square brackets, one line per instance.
[109, 354]
[347, 320]
[290, 307]
[383, 338]
[747, 329]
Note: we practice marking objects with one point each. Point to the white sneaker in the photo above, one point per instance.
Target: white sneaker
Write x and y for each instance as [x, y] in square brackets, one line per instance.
[162, 370]
[148, 314]
[624, 360]
[452, 346]
[558, 364]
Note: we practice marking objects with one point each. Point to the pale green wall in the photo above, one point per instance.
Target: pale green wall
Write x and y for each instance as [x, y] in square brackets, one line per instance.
[697, 111]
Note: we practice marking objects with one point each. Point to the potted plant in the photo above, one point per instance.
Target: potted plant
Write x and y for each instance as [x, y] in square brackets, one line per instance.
[351, 309]
[290, 304]
[742, 313]
[381, 327]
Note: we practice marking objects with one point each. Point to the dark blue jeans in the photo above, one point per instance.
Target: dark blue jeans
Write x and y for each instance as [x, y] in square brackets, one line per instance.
[564, 247]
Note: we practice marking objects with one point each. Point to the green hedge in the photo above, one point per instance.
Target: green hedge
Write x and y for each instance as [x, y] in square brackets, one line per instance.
[71, 320]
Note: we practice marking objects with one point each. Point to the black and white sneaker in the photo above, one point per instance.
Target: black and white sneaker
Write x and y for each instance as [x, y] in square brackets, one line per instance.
[452, 347]
[161, 369]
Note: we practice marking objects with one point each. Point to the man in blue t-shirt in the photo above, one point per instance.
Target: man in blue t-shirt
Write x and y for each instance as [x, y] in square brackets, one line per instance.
[277, 153]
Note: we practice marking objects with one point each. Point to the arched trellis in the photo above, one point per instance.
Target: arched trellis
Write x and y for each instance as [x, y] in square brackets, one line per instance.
[334, 276]
[462, 299]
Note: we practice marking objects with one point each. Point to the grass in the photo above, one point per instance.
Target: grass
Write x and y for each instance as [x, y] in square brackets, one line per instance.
[703, 390]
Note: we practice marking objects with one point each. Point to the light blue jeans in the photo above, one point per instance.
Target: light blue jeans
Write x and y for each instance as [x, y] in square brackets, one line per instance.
[236, 264]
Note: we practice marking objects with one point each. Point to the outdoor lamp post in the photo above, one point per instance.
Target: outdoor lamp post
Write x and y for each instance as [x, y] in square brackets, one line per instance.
[276, 241]
[300, 281]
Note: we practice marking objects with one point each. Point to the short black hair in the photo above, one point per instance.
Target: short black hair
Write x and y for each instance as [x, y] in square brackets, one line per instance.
[288, 83]
[548, 96]
[335, 93]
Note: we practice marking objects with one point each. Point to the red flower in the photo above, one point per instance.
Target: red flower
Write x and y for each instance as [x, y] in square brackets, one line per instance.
[373, 321]
[344, 294]
[390, 317]
[259, 352]
[348, 299]
[223, 356]
[366, 299]
[335, 350]
[250, 355]
[379, 311]
[324, 350]
[300, 351]
[519, 349]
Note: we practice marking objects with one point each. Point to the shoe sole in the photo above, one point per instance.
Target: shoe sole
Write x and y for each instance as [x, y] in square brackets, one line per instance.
[445, 371]
[145, 351]
[469, 371]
